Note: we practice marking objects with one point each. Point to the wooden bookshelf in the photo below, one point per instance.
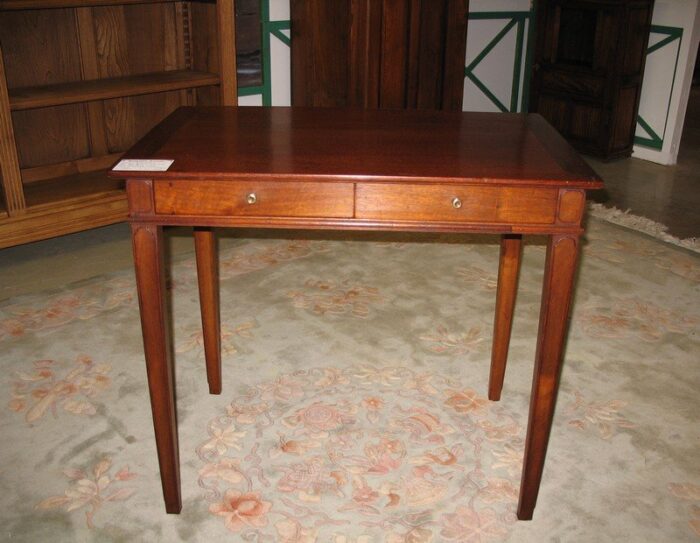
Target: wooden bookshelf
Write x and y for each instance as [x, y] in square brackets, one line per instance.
[14, 5]
[71, 189]
[103, 89]
[80, 82]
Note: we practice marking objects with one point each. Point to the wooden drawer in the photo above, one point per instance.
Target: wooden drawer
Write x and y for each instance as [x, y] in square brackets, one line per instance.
[253, 199]
[460, 203]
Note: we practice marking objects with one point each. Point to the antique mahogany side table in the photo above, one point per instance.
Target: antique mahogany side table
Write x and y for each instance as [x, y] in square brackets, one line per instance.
[345, 169]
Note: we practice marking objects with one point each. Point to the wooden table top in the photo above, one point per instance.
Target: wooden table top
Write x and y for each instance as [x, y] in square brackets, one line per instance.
[294, 144]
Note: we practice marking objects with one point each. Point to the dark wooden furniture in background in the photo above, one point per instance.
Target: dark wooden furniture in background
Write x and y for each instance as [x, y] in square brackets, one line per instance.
[81, 81]
[379, 53]
[354, 169]
[588, 71]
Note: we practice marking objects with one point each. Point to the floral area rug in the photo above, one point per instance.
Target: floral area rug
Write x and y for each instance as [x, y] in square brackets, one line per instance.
[354, 407]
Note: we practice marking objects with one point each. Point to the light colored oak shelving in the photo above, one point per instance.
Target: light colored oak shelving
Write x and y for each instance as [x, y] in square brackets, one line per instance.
[103, 89]
[12, 5]
[68, 190]
[128, 64]
[64, 205]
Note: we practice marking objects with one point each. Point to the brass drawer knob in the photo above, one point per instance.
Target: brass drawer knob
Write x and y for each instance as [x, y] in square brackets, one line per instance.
[251, 198]
[456, 203]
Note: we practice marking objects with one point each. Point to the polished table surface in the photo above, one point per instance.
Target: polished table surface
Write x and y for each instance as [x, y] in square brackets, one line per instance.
[345, 169]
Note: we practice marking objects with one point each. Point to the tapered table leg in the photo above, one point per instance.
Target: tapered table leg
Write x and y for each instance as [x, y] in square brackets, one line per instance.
[560, 267]
[508, 269]
[150, 281]
[208, 279]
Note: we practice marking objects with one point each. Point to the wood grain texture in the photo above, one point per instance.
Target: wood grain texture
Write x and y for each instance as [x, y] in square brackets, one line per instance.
[347, 169]
[86, 79]
[9, 162]
[379, 53]
[41, 48]
[101, 89]
[364, 56]
[508, 270]
[455, 54]
[394, 54]
[150, 281]
[240, 198]
[430, 57]
[226, 36]
[208, 282]
[183, 37]
[136, 46]
[393, 146]
[571, 205]
[139, 193]
[71, 167]
[61, 191]
[89, 70]
[204, 49]
[320, 52]
[59, 216]
[9, 5]
[560, 268]
[465, 203]
[588, 70]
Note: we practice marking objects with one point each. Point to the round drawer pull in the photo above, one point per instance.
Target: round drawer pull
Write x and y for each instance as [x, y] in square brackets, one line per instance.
[251, 198]
[456, 203]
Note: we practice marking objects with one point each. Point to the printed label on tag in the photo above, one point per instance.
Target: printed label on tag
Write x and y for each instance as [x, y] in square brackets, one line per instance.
[142, 165]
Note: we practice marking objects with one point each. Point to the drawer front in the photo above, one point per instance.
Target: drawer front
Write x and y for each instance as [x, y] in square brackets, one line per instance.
[254, 199]
[447, 203]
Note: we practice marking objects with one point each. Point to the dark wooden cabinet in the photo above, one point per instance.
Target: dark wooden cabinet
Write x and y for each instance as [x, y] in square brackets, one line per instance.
[379, 53]
[588, 70]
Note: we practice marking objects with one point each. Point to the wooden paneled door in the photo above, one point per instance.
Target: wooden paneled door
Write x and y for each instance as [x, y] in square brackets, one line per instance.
[379, 53]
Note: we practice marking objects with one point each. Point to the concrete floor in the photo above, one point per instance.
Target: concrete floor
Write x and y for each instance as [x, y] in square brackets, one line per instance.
[669, 195]
[666, 194]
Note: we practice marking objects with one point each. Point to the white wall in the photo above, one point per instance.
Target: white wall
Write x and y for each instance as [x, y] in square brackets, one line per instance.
[496, 70]
[665, 97]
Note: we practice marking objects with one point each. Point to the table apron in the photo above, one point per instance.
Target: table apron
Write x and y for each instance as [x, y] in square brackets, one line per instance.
[286, 223]
[370, 206]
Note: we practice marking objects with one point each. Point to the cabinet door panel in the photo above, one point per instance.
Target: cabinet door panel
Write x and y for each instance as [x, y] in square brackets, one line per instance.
[379, 53]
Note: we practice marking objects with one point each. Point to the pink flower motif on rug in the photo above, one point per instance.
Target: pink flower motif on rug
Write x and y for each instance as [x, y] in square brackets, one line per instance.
[680, 264]
[336, 297]
[195, 339]
[257, 256]
[466, 401]
[93, 490]
[618, 251]
[624, 317]
[241, 510]
[320, 417]
[360, 453]
[604, 416]
[444, 341]
[53, 311]
[44, 390]
[691, 493]
[482, 278]
[467, 525]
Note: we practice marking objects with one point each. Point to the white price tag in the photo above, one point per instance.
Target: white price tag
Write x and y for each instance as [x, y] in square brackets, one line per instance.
[142, 165]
